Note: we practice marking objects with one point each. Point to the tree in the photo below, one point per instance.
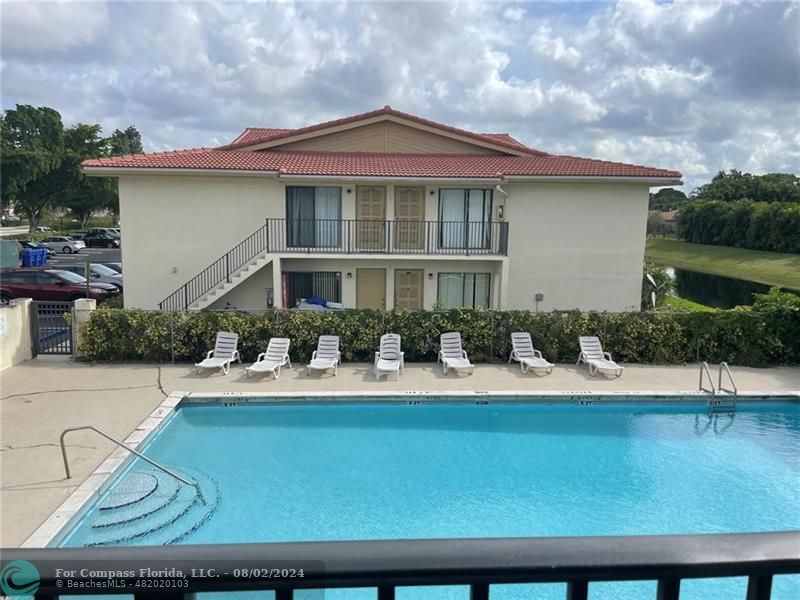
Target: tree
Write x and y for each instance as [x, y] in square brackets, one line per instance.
[85, 195]
[125, 142]
[771, 187]
[667, 199]
[31, 152]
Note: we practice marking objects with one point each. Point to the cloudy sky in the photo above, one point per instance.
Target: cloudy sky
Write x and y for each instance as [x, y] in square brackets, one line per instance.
[696, 86]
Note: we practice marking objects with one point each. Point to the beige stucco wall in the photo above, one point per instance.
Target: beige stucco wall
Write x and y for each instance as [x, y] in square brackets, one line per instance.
[15, 332]
[581, 245]
[173, 227]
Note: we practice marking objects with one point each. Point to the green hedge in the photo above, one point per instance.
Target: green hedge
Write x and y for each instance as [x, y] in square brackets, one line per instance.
[774, 227]
[739, 336]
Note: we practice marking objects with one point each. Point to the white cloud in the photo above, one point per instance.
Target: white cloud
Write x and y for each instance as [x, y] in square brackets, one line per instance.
[543, 43]
[514, 13]
[697, 86]
[36, 27]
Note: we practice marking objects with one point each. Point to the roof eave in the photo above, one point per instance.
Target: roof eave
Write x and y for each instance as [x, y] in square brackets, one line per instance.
[652, 180]
[377, 117]
[95, 171]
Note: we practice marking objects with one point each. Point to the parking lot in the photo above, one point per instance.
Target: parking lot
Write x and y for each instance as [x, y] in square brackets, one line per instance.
[97, 255]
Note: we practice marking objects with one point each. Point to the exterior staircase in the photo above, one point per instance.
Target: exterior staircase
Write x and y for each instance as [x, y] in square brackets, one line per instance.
[235, 279]
[224, 274]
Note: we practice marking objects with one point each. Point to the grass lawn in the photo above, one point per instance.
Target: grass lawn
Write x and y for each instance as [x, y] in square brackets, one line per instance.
[672, 303]
[771, 268]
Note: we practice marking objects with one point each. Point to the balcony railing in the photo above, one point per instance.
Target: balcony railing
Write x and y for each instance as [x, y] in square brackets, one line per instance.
[349, 236]
[356, 236]
[385, 566]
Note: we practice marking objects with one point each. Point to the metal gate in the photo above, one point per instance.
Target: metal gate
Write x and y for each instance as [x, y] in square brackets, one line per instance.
[51, 328]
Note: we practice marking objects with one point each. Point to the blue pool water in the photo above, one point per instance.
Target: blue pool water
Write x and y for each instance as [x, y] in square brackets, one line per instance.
[382, 471]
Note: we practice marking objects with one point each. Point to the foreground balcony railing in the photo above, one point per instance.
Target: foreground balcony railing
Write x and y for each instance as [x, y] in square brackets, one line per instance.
[356, 236]
[387, 565]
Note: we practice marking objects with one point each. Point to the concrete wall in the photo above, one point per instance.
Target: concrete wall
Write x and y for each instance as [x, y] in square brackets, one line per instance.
[15, 332]
[581, 245]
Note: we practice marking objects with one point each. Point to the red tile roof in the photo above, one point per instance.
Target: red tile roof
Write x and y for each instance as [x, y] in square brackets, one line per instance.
[502, 140]
[477, 166]
[252, 135]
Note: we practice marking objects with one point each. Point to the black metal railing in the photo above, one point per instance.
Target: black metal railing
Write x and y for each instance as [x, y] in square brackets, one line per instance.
[346, 236]
[219, 271]
[387, 565]
[356, 236]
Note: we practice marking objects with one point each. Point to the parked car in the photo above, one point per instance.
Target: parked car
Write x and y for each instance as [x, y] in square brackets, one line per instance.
[101, 240]
[97, 272]
[34, 245]
[63, 243]
[110, 231]
[42, 229]
[51, 284]
[115, 266]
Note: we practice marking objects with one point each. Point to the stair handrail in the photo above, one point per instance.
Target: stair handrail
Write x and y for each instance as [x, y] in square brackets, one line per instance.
[723, 366]
[220, 270]
[121, 445]
[704, 369]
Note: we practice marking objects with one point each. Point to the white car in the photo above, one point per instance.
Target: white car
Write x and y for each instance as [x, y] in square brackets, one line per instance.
[62, 243]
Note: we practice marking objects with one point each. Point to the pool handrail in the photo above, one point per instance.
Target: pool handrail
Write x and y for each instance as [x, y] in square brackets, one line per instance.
[735, 391]
[704, 369]
[121, 445]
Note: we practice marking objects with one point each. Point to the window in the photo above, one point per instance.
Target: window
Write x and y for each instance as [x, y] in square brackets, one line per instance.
[323, 284]
[313, 216]
[28, 278]
[70, 277]
[464, 218]
[469, 290]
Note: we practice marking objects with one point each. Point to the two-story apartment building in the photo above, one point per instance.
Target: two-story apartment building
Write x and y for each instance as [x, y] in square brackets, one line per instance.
[380, 210]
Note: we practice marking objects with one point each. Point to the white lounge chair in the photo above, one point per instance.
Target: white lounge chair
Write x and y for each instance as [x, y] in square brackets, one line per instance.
[326, 356]
[592, 355]
[389, 359]
[527, 356]
[451, 354]
[224, 353]
[271, 361]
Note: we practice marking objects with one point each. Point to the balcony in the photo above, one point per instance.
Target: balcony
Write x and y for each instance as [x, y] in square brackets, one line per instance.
[351, 236]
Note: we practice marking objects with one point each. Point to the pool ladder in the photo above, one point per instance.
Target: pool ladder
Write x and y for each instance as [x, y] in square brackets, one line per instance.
[723, 403]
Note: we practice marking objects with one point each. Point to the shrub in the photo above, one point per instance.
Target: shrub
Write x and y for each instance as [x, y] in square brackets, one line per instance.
[767, 226]
[767, 336]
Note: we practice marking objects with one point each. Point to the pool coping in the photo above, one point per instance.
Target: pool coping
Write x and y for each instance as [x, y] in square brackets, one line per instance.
[81, 499]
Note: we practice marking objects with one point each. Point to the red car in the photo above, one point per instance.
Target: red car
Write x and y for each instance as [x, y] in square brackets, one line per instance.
[50, 284]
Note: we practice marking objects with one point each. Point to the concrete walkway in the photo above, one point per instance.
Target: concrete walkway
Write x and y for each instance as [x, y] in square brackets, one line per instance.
[40, 398]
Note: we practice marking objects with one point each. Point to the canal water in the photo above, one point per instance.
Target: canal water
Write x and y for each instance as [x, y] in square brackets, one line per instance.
[714, 290]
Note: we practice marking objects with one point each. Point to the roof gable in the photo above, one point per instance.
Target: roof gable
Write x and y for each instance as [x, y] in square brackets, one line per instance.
[467, 141]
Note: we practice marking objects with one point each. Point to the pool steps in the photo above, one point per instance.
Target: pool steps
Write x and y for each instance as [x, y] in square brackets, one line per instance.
[167, 514]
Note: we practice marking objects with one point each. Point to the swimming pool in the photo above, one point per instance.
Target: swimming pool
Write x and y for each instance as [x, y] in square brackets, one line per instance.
[390, 470]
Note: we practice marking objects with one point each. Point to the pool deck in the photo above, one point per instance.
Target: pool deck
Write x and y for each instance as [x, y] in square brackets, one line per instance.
[40, 398]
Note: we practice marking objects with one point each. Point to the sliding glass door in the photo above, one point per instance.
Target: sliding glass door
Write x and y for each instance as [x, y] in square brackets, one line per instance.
[313, 216]
[464, 218]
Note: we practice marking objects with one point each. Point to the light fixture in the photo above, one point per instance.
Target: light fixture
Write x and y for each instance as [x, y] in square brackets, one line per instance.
[349, 275]
[349, 191]
[433, 192]
[430, 275]
[501, 210]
